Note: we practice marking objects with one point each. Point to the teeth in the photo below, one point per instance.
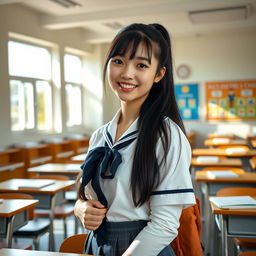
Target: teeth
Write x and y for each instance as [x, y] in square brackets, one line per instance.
[127, 86]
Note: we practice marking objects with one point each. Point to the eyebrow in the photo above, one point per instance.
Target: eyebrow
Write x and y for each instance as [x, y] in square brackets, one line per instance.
[143, 58]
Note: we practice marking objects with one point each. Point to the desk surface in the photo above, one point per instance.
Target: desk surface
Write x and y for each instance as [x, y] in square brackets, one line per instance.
[12, 185]
[222, 152]
[56, 168]
[214, 135]
[221, 162]
[16, 252]
[247, 177]
[224, 142]
[80, 157]
[10, 207]
[216, 210]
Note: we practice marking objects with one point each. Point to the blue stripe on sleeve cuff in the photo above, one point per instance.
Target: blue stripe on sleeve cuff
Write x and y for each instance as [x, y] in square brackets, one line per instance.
[173, 191]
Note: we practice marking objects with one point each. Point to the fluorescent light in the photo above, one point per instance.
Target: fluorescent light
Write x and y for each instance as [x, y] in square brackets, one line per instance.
[219, 15]
[67, 3]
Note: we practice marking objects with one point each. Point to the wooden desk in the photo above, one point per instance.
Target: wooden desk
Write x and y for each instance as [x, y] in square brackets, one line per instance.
[61, 151]
[12, 164]
[79, 158]
[214, 135]
[48, 196]
[210, 186]
[16, 252]
[222, 162]
[71, 170]
[222, 152]
[36, 155]
[226, 142]
[13, 215]
[235, 223]
[80, 145]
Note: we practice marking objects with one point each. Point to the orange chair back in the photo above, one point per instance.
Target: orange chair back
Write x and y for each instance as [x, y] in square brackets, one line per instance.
[74, 244]
[247, 254]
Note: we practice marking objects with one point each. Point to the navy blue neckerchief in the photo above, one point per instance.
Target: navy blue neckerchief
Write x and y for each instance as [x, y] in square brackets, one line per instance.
[103, 162]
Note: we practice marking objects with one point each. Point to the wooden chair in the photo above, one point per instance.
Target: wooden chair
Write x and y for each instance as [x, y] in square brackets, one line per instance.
[74, 244]
[35, 228]
[61, 211]
[240, 191]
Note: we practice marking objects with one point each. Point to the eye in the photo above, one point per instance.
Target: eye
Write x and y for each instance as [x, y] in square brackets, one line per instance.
[142, 65]
[117, 61]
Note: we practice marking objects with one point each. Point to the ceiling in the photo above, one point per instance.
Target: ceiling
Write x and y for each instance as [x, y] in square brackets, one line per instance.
[101, 19]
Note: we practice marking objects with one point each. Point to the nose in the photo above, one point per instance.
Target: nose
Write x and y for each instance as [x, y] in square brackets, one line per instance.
[127, 72]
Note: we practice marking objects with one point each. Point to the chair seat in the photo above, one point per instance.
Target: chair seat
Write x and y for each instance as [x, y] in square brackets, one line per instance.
[33, 228]
[60, 211]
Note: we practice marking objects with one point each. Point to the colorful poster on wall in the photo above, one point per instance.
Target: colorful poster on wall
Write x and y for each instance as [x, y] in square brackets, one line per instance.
[187, 99]
[231, 100]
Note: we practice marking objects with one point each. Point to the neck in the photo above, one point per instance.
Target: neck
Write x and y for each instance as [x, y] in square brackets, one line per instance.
[129, 113]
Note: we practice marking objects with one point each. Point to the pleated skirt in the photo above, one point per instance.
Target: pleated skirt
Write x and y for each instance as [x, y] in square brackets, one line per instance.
[113, 238]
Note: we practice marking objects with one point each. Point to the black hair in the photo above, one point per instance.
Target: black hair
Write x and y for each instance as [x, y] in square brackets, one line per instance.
[160, 103]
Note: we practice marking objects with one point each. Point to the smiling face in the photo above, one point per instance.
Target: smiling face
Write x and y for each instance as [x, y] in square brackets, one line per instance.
[131, 79]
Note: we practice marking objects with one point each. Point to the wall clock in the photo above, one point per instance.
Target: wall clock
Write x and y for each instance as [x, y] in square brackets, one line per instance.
[183, 71]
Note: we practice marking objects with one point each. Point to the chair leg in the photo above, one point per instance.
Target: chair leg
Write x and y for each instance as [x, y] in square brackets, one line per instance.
[76, 225]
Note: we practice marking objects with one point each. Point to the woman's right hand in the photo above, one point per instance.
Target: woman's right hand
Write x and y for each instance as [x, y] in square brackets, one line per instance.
[91, 213]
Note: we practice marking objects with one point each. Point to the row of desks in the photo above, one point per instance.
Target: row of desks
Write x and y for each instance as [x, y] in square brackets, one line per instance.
[230, 220]
[47, 197]
[13, 213]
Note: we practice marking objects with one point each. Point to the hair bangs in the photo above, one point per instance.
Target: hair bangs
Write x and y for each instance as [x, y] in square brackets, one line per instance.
[129, 42]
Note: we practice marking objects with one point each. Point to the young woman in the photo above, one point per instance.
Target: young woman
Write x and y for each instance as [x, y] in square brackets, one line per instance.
[136, 179]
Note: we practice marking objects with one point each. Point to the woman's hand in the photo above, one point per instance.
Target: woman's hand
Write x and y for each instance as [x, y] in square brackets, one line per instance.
[91, 213]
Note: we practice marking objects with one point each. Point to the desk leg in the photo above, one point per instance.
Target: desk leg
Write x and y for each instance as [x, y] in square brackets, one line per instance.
[224, 235]
[9, 231]
[51, 234]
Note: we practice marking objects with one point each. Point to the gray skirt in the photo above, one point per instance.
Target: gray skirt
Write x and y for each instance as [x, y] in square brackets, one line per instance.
[113, 238]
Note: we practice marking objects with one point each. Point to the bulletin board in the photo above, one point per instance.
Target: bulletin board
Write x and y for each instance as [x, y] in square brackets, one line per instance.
[187, 99]
[231, 100]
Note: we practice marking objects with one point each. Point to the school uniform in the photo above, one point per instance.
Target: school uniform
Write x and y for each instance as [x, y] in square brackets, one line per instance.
[154, 224]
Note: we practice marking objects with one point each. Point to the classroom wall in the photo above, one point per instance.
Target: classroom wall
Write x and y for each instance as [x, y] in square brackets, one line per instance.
[217, 57]
[210, 57]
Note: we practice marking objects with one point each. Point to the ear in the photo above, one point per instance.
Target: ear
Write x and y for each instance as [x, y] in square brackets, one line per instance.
[160, 75]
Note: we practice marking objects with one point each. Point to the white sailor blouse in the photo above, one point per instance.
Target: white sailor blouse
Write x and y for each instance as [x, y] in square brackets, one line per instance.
[109, 182]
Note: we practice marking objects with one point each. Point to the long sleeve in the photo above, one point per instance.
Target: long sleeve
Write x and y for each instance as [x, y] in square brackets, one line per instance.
[159, 232]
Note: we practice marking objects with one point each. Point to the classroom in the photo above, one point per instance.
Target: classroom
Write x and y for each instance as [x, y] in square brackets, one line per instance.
[53, 97]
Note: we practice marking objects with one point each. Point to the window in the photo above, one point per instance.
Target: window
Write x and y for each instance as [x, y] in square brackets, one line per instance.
[73, 89]
[30, 86]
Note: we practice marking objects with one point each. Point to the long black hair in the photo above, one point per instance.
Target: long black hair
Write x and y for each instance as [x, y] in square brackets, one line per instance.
[160, 103]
